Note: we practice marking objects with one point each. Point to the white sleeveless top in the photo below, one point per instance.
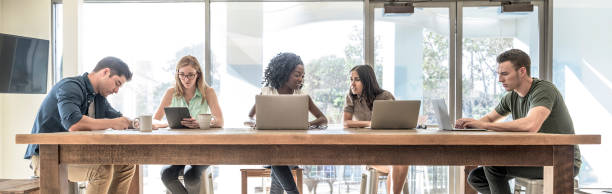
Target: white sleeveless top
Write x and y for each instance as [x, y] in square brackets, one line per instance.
[272, 91]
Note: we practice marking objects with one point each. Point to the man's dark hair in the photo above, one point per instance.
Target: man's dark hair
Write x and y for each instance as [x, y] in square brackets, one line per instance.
[371, 89]
[517, 57]
[116, 65]
[280, 67]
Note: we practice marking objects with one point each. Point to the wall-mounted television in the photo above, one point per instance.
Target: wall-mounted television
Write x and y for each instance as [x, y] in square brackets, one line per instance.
[23, 64]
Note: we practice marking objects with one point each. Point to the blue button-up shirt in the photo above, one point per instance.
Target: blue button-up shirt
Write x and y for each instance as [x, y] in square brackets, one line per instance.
[65, 105]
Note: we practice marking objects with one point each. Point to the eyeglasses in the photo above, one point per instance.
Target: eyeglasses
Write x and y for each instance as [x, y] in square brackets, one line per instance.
[188, 76]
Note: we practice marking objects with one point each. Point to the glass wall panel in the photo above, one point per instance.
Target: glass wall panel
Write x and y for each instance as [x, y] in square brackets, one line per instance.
[412, 62]
[486, 34]
[245, 36]
[150, 38]
[582, 72]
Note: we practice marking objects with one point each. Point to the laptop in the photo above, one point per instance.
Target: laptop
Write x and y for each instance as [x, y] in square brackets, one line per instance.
[439, 106]
[281, 112]
[395, 114]
[175, 115]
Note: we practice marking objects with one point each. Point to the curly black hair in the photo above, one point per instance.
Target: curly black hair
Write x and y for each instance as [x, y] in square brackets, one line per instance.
[280, 67]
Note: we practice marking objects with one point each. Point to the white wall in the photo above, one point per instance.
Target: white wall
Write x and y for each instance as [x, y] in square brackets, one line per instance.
[31, 18]
[582, 46]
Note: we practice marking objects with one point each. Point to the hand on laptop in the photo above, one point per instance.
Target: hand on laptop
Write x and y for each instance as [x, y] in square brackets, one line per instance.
[460, 123]
[469, 123]
[475, 124]
[317, 127]
[250, 122]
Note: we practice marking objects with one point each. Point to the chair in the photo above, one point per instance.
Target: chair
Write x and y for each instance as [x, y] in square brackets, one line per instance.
[369, 182]
[206, 184]
[316, 174]
[264, 172]
[76, 187]
[528, 186]
[532, 186]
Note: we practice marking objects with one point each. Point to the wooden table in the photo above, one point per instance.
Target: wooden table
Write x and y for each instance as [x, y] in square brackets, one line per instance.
[313, 147]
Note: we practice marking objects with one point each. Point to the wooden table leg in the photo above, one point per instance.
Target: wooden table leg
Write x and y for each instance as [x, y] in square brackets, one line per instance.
[465, 186]
[53, 176]
[136, 185]
[298, 176]
[244, 182]
[559, 178]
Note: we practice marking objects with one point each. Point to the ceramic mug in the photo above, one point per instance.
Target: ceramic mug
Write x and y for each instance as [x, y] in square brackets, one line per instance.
[204, 121]
[144, 123]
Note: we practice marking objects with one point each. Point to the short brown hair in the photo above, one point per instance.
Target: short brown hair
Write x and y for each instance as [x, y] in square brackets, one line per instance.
[517, 57]
[116, 65]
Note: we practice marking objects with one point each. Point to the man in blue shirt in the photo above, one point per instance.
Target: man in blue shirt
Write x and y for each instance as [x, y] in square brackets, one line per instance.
[79, 104]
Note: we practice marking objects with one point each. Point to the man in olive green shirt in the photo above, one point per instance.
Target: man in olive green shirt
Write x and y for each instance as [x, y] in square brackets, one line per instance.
[536, 107]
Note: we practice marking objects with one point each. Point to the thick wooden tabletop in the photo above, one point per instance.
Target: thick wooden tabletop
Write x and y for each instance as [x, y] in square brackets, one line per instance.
[245, 136]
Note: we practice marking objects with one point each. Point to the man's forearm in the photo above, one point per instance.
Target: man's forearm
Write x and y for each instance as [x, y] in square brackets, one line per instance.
[89, 124]
[519, 125]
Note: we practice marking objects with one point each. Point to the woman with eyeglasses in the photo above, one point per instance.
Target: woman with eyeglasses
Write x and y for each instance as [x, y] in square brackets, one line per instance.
[193, 92]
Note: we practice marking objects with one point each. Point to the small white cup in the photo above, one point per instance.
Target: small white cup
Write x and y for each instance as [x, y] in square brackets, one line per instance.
[144, 123]
[204, 121]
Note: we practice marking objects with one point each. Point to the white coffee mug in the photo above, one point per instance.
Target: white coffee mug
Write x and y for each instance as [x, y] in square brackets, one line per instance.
[204, 121]
[144, 123]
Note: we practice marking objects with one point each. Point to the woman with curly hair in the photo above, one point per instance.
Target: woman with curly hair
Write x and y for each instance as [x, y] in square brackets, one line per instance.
[285, 75]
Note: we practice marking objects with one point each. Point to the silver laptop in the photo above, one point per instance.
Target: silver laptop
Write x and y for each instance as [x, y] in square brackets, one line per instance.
[281, 112]
[395, 114]
[439, 106]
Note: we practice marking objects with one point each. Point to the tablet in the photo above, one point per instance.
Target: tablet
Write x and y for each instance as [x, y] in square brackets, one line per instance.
[175, 115]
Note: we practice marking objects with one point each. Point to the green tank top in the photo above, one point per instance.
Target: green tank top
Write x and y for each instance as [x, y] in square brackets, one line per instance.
[196, 105]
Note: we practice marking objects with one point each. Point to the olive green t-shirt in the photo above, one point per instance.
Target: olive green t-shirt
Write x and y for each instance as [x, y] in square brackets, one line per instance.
[542, 93]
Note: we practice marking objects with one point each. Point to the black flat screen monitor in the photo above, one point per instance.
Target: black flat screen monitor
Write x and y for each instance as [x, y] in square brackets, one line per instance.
[23, 64]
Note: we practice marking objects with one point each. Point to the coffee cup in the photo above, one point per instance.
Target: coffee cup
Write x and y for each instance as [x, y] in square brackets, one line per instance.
[143, 123]
[204, 121]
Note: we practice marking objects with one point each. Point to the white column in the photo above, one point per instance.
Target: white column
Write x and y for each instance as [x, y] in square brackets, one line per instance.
[408, 62]
[72, 43]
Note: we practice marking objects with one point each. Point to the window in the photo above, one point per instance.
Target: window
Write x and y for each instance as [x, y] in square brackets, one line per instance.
[57, 40]
[245, 36]
[582, 73]
[486, 34]
[150, 38]
[412, 60]
[328, 38]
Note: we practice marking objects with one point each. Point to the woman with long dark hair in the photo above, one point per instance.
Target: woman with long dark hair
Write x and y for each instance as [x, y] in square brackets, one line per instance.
[358, 113]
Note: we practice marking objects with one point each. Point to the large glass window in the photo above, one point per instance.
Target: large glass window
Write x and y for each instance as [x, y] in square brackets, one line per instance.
[57, 40]
[150, 38]
[245, 36]
[327, 36]
[582, 72]
[486, 34]
[412, 60]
